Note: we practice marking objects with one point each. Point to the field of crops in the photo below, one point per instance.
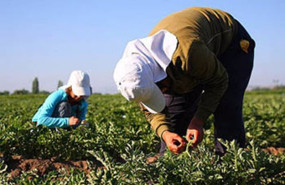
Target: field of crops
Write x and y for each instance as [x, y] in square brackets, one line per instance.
[114, 148]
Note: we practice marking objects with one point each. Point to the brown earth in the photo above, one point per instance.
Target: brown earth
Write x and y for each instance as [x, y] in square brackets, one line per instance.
[17, 164]
[274, 151]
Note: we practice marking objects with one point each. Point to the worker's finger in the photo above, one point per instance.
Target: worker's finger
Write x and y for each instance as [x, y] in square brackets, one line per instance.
[181, 148]
[190, 135]
[173, 148]
[180, 143]
[195, 138]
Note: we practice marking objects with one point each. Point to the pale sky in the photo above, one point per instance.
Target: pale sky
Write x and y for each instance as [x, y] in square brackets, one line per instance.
[48, 39]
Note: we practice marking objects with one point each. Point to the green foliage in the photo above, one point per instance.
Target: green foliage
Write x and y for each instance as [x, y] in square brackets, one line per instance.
[265, 119]
[35, 86]
[121, 139]
[44, 92]
[23, 91]
[279, 89]
[4, 93]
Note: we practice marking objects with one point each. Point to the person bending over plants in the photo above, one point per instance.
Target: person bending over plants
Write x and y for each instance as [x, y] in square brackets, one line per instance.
[66, 107]
[195, 62]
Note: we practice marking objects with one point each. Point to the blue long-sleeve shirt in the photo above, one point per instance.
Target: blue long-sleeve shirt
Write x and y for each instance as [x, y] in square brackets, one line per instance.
[44, 114]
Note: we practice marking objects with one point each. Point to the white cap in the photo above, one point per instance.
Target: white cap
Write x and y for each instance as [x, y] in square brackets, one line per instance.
[80, 83]
[134, 79]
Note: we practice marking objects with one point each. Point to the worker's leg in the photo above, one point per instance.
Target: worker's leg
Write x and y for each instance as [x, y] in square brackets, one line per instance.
[229, 123]
[62, 110]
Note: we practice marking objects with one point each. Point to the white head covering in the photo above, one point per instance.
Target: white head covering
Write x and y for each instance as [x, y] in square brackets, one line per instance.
[144, 62]
[80, 83]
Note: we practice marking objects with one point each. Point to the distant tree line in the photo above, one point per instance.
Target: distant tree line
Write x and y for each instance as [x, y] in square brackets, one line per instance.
[275, 88]
[35, 89]
[4, 93]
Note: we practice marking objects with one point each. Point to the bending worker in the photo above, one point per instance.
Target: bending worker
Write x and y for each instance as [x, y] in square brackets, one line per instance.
[66, 107]
[194, 63]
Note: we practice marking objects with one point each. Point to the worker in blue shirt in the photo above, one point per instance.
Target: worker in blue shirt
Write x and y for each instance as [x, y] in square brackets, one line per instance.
[66, 107]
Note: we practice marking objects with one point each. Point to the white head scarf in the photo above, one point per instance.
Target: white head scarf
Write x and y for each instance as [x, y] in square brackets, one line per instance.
[157, 50]
[144, 63]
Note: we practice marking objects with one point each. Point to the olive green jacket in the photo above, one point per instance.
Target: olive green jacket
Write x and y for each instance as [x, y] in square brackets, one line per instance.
[203, 34]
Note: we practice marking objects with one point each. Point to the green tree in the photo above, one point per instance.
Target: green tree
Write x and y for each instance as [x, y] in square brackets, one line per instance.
[59, 84]
[35, 88]
[5, 93]
[23, 91]
[44, 92]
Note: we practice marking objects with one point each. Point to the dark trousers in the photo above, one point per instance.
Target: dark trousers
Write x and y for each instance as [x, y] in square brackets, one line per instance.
[62, 110]
[228, 119]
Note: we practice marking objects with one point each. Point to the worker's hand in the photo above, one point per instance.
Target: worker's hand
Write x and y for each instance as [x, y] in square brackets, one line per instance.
[73, 121]
[195, 131]
[174, 142]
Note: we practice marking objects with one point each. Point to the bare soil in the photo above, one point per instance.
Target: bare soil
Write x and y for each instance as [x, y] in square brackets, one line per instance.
[17, 164]
[274, 151]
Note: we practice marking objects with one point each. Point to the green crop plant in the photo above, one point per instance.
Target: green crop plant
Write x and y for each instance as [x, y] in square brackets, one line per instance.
[120, 139]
